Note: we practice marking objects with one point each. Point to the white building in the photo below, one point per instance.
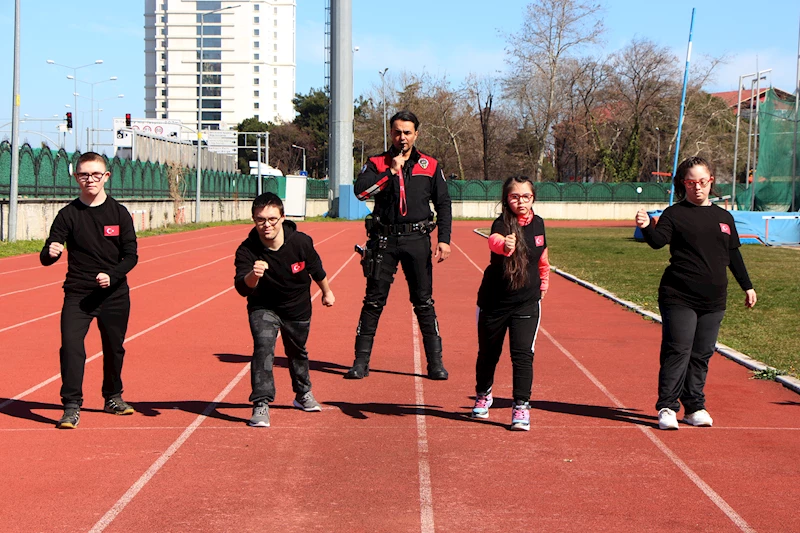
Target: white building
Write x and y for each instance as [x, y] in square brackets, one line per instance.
[248, 60]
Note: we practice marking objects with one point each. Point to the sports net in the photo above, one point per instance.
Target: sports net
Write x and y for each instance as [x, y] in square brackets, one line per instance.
[774, 183]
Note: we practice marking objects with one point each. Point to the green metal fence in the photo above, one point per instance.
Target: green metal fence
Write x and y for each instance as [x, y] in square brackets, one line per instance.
[44, 173]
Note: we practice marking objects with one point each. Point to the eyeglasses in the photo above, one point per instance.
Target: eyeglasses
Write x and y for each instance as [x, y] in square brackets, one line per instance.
[514, 197]
[261, 222]
[90, 176]
[694, 183]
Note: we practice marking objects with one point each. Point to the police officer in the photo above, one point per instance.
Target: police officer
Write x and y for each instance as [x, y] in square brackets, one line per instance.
[403, 181]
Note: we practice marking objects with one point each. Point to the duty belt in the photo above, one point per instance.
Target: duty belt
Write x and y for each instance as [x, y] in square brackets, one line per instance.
[425, 226]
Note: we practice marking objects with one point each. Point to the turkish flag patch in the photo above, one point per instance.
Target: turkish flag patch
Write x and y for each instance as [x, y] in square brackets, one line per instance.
[539, 240]
[298, 267]
[724, 228]
[111, 231]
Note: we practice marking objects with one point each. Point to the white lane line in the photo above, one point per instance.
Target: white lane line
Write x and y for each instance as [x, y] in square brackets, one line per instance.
[139, 263]
[131, 493]
[648, 432]
[127, 340]
[132, 288]
[37, 267]
[189, 239]
[697, 480]
[32, 288]
[425, 493]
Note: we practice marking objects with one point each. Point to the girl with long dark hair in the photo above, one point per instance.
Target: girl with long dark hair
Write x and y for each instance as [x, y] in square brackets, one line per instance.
[703, 244]
[509, 298]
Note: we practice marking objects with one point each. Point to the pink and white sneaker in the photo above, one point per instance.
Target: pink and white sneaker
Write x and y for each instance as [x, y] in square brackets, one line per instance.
[482, 404]
[521, 417]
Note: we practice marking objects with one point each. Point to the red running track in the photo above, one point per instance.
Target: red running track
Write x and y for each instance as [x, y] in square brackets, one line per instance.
[393, 452]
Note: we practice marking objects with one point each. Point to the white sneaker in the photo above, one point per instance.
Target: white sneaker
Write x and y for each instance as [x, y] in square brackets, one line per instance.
[699, 418]
[667, 419]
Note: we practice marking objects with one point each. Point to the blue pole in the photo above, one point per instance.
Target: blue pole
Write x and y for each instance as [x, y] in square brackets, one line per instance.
[683, 107]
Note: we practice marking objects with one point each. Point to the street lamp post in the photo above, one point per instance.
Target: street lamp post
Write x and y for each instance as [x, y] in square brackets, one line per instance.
[304, 157]
[91, 101]
[76, 129]
[383, 98]
[96, 137]
[200, 107]
[362, 152]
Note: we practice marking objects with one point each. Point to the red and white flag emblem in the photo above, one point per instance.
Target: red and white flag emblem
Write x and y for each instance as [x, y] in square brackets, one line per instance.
[539, 240]
[724, 228]
[111, 231]
[298, 267]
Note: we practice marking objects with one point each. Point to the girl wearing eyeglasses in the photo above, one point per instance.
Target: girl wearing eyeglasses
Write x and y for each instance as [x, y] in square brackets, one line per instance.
[510, 297]
[703, 244]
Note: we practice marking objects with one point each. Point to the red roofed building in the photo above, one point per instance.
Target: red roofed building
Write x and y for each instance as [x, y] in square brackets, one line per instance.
[730, 97]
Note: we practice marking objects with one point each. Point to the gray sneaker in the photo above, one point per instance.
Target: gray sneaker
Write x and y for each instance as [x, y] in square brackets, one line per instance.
[260, 418]
[306, 402]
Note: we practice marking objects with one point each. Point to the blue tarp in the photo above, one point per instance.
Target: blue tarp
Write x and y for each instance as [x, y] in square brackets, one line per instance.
[781, 231]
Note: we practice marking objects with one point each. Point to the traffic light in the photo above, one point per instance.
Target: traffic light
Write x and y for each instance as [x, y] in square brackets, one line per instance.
[127, 120]
[69, 121]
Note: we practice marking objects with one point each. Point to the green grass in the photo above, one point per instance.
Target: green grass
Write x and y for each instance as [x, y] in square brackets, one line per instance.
[7, 249]
[610, 258]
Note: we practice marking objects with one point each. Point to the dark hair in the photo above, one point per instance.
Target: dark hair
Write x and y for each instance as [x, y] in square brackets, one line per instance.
[265, 200]
[405, 116]
[515, 267]
[88, 157]
[683, 169]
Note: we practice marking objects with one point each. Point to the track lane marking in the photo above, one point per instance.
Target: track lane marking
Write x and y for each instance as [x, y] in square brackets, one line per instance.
[131, 493]
[648, 432]
[424, 467]
[13, 326]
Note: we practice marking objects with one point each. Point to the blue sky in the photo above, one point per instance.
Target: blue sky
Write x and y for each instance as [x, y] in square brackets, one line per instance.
[445, 38]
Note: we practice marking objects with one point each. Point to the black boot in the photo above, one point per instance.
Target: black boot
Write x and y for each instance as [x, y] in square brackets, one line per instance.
[433, 352]
[361, 364]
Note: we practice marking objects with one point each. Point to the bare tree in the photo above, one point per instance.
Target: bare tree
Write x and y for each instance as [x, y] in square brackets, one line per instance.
[481, 91]
[551, 31]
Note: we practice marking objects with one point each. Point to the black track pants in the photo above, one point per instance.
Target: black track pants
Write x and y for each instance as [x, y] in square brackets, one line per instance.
[111, 309]
[522, 324]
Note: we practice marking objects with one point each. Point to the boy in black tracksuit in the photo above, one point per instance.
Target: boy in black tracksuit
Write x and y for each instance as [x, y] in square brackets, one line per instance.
[274, 269]
[102, 250]
[692, 296]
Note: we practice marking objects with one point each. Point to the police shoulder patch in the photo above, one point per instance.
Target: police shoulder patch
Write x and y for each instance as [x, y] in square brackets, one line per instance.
[423, 163]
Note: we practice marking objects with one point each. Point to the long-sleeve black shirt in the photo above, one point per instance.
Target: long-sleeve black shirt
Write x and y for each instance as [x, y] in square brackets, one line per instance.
[495, 291]
[285, 287]
[424, 183]
[99, 239]
[703, 244]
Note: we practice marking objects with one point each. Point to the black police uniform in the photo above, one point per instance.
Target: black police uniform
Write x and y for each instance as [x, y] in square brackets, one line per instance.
[399, 232]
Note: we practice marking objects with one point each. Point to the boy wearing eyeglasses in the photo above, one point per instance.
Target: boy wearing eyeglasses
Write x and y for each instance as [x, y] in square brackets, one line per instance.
[101, 240]
[274, 269]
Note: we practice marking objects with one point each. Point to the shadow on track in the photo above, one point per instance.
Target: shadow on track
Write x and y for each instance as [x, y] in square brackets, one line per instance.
[313, 365]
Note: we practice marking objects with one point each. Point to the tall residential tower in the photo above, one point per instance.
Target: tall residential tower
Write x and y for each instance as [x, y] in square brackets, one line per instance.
[248, 49]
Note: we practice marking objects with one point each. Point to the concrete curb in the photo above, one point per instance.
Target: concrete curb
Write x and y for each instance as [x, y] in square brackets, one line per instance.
[743, 359]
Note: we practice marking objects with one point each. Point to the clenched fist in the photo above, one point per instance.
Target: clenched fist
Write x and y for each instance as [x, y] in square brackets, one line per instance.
[259, 267]
[511, 243]
[55, 249]
[642, 219]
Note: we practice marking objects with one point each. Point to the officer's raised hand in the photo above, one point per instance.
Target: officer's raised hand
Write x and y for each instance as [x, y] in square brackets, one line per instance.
[442, 252]
[397, 163]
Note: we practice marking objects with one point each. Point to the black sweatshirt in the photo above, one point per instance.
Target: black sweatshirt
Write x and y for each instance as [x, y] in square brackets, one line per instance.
[703, 243]
[423, 181]
[285, 287]
[99, 239]
[495, 291]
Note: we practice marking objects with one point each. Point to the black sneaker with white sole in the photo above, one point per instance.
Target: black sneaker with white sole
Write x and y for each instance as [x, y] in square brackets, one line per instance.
[118, 406]
[70, 418]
